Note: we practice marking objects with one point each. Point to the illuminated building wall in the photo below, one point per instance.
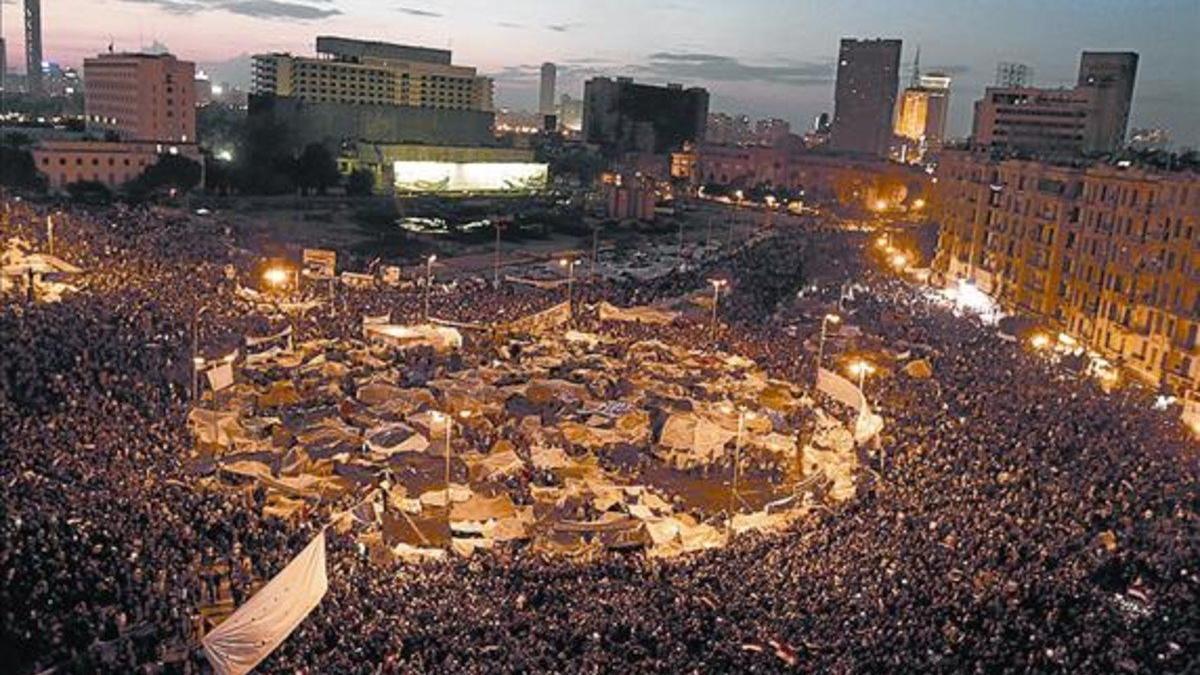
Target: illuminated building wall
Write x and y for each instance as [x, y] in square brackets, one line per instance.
[404, 168]
[1110, 255]
[489, 177]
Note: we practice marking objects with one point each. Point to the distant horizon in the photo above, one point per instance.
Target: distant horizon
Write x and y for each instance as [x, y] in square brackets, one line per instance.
[753, 58]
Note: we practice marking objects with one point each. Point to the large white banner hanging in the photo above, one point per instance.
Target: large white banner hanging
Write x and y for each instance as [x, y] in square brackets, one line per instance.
[251, 633]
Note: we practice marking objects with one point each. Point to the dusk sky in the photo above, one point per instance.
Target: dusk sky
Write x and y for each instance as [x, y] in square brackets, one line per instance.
[758, 57]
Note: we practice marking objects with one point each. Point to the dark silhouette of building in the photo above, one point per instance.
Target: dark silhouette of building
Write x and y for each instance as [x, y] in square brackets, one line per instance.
[1110, 75]
[621, 116]
[33, 47]
[867, 78]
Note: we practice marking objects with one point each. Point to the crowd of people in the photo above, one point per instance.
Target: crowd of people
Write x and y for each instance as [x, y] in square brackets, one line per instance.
[1014, 518]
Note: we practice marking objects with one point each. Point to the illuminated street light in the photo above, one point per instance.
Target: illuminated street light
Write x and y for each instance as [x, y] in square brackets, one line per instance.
[918, 204]
[899, 261]
[1040, 341]
[861, 369]
[277, 277]
[428, 281]
[881, 205]
[883, 241]
[569, 263]
[717, 284]
[825, 321]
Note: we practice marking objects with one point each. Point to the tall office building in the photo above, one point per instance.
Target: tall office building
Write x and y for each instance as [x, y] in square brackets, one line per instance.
[33, 47]
[3, 62]
[1090, 118]
[921, 120]
[867, 78]
[622, 116]
[141, 97]
[1111, 76]
[361, 71]
[546, 91]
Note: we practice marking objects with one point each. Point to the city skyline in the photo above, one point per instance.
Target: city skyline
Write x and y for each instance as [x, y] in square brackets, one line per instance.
[751, 61]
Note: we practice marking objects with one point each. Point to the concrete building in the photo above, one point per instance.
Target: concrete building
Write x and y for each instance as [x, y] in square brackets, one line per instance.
[1091, 117]
[857, 182]
[570, 113]
[141, 97]
[1111, 76]
[1036, 121]
[865, 98]
[33, 47]
[110, 163]
[377, 73]
[771, 131]
[1107, 254]
[725, 129]
[335, 124]
[621, 116]
[546, 89]
[922, 116]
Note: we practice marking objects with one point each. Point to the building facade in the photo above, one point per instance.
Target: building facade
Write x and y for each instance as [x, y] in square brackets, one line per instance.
[141, 97]
[621, 116]
[922, 115]
[1090, 118]
[372, 73]
[1111, 76]
[33, 47]
[1109, 255]
[865, 97]
[110, 163]
[546, 89]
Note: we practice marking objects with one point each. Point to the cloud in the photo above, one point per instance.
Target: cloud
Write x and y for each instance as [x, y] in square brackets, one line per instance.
[509, 24]
[719, 68]
[560, 27]
[413, 11]
[259, 9]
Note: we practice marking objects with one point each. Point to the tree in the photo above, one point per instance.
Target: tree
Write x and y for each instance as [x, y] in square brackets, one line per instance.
[316, 169]
[360, 183]
[262, 163]
[170, 172]
[17, 169]
[89, 192]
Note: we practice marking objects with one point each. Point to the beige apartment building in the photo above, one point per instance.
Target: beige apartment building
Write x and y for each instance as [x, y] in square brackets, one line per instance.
[1109, 254]
[361, 72]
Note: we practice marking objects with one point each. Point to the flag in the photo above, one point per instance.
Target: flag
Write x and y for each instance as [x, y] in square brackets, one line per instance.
[221, 376]
[251, 633]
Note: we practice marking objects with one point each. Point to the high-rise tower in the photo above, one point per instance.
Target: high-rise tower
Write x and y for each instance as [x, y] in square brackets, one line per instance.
[33, 47]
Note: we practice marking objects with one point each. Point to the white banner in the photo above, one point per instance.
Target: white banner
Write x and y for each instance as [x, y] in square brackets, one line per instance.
[251, 633]
[252, 341]
[221, 376]
[840, 389]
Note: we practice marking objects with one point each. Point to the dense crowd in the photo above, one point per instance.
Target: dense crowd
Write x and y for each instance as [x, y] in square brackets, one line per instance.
[1015, 518]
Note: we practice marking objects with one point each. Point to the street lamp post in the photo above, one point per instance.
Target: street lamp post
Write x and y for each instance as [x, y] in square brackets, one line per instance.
[862, 369]
[569, 263]
[428, 282]
[50, 233]
[496, 267]
[716, 284]
[595, 252]
[196, 360]
[825, 321]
